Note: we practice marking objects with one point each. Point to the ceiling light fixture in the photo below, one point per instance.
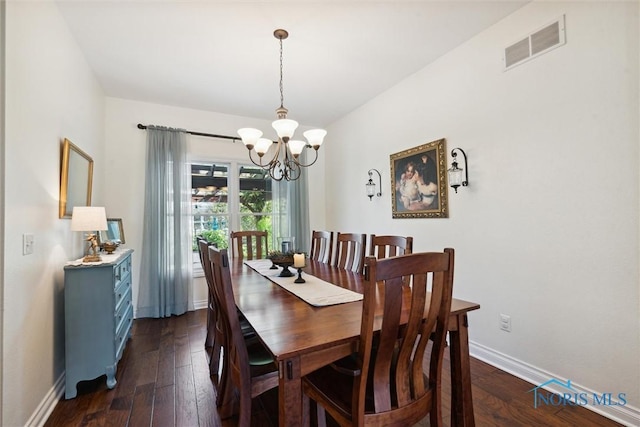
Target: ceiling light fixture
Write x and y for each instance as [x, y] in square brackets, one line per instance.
[285, 162]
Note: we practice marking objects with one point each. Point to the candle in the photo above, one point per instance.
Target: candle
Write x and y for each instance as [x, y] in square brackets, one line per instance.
[286, 246]
[298, 260]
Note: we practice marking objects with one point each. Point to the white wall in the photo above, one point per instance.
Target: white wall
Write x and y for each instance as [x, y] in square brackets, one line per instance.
[51, 94]
[125, 159]
[547, 231]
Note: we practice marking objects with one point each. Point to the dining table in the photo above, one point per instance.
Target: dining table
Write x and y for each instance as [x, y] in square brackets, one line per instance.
[303, 337]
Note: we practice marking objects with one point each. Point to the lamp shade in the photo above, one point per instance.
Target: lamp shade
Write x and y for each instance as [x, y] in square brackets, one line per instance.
[296, 146]
[455, 177]
[371, 188]
[285, 127]
[315, 137]
[263, 145]
[88, 218]
[249, 136]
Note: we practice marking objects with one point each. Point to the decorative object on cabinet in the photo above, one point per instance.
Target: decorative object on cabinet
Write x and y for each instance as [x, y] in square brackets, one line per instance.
[114, 233]
[419, 182]
[75, 179]
[90, 219]
[371, 186]
[455, 173]
[98, 318]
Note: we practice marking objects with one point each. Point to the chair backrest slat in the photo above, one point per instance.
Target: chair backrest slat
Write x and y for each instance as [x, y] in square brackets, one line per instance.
[249, 244]
[350, 251]
[321, 246]
[390, 246]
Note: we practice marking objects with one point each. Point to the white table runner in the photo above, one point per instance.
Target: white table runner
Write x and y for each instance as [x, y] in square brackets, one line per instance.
[315, 291]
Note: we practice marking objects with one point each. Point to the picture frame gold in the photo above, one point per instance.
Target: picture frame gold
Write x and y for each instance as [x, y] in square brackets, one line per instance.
[76, 179]
[419, 181]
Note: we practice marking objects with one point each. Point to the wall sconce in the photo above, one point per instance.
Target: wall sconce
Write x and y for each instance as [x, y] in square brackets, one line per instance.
[371, 186]
[455, 173]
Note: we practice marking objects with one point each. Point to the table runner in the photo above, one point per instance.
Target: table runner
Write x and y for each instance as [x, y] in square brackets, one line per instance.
[315, 291]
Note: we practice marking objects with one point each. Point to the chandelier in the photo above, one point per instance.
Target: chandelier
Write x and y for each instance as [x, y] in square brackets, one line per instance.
[285, 153]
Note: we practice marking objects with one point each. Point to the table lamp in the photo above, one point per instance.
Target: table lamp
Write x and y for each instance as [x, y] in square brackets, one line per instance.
[90, 219]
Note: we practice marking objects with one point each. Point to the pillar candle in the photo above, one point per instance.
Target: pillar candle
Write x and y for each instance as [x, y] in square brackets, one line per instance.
[298, 260]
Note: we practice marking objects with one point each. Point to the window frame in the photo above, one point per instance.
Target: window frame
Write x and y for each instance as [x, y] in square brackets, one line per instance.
[233, 199]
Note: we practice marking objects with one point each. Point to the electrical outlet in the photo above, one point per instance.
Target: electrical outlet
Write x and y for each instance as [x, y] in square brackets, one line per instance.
[27, 244]
[505, 322]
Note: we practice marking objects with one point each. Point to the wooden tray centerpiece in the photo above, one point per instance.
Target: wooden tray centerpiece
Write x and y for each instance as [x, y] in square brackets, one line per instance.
[284, 260]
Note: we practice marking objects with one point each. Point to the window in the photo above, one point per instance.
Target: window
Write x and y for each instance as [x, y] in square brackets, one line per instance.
[229, 197]
[210, 203]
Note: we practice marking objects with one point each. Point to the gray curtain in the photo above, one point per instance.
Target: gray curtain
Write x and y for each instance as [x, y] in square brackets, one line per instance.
[165, 270]
[292, 211]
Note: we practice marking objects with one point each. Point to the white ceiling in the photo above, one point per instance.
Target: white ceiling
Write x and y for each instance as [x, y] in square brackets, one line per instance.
[221, 55]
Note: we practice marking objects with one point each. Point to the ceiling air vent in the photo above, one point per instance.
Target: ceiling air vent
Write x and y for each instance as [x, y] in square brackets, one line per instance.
[535, 44]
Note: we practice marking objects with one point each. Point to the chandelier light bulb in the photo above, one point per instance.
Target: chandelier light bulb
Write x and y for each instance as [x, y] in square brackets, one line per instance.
[262, 146]
[249, 136]
[285, 128]
[296, 146]
[315, 137]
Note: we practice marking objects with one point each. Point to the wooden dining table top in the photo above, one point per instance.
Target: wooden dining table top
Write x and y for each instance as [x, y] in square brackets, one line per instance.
[288, 326]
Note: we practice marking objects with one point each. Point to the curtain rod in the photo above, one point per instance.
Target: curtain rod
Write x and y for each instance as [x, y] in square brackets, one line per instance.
[210, 135]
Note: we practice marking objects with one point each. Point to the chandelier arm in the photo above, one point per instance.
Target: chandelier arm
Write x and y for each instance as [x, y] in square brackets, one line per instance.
[262, 165]
[292, 170]
[306, 165]
[272, 169]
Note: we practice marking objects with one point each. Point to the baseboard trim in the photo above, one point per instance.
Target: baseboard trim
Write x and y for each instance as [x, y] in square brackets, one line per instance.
[42, 412]
[626, 415]
[199, 305]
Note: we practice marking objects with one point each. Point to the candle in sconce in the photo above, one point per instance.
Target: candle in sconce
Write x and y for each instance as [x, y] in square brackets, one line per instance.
[298, 260]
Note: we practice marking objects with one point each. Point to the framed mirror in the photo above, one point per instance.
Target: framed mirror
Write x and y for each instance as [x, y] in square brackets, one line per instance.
[75, 179]
[113, 233]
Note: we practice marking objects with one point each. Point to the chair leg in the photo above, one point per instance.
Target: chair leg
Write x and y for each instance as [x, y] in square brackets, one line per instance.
[214, 359]
[245, 409]
[209, 340]
[306, 411]
[322, 416]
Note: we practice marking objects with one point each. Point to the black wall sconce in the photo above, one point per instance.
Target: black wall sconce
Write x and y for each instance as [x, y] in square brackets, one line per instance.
[456, 173]
[371, 186]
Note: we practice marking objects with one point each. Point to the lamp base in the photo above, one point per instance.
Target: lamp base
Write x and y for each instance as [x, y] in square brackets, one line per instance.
[92, 258]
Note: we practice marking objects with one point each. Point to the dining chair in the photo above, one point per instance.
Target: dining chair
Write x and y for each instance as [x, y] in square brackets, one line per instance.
[251, 368]
[216, 339]
[211, 344]
[386, 384]
[321, 246]
[350, 251]
[389, 246]
[249, 244]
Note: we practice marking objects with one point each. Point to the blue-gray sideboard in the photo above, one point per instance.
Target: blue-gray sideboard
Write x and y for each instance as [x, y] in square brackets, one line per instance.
[98, 318]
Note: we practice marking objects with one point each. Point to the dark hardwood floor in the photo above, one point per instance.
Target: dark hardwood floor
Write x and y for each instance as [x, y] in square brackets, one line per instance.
[163, 380]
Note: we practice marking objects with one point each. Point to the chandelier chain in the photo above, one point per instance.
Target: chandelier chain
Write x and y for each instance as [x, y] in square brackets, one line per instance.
[281, 85]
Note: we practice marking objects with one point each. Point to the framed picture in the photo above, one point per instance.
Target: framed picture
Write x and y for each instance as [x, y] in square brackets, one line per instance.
[75, 179]
[419, 182]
